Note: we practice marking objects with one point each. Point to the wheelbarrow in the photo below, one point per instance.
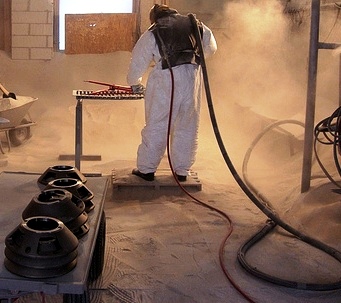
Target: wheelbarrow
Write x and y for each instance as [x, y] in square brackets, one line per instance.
[15, 120]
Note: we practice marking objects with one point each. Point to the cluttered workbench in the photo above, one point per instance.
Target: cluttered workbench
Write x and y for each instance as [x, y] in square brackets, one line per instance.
[17, 190]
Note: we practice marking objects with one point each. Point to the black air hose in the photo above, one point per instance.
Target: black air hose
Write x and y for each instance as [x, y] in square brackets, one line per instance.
[330, 128]
[256, 140]
[260, 201]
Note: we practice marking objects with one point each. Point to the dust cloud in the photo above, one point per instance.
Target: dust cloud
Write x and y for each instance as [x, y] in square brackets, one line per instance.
[257, 76]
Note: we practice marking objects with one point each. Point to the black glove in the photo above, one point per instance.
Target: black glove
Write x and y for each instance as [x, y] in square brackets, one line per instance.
[138, 89]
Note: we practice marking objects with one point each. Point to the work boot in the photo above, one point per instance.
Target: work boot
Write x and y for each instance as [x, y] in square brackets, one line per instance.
[181, 178]
[147, 177]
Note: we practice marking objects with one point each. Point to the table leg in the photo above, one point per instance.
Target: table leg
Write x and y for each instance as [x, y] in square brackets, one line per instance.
[78, 135]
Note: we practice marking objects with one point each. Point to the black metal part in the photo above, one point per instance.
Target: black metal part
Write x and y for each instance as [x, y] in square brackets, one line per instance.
[76, 188]
[41, 247]
[59, 204]
[59, 172]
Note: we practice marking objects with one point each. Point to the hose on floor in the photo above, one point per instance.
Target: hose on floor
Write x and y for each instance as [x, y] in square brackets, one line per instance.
[260, 201]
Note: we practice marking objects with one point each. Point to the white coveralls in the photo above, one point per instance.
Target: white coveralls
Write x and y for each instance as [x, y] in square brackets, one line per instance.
[186, 105]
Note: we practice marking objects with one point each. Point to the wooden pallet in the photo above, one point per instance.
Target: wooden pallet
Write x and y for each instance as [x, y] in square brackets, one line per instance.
[163, 180]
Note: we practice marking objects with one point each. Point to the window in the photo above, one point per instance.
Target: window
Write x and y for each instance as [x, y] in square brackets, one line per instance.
[87, 7]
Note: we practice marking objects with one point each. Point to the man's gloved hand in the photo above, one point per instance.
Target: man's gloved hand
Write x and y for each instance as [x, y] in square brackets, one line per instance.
[138, 89]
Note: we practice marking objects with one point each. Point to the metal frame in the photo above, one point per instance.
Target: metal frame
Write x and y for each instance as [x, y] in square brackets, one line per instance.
[105, 95]
[314, 47]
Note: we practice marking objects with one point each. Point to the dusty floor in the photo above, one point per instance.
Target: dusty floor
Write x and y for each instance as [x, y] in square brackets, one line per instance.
[162, 246]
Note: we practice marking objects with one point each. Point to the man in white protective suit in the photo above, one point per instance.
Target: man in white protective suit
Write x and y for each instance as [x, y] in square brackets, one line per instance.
[170, 44]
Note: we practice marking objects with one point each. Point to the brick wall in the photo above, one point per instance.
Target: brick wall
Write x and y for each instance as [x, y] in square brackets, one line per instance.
[32, 29]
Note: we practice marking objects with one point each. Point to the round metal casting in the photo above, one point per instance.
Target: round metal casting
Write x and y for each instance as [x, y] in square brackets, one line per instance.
[41, 247]
[76, 188]
[60, 204]
[59, 172]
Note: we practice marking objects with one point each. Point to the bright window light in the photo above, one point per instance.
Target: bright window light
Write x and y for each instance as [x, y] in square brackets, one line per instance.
[89, 7]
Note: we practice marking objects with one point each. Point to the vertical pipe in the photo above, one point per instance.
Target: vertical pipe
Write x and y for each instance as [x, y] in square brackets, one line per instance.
[78, 135]
[311, 95]
[339, 80]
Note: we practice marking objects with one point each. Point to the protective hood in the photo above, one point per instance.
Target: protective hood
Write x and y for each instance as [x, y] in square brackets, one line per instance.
[159, 11]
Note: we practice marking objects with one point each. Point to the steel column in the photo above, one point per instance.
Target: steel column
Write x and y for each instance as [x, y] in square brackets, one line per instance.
[311, 95]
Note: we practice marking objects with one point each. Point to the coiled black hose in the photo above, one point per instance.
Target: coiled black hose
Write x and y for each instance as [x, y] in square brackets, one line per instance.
[269, 227]
[329, 129]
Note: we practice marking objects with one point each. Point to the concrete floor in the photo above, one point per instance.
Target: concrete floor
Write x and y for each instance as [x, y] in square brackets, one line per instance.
[161, 246]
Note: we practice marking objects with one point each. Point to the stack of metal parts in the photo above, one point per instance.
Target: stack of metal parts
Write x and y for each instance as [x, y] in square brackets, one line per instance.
[45, 243]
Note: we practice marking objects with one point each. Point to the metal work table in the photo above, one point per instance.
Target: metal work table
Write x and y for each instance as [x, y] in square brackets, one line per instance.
[87, 95]
[17, 190]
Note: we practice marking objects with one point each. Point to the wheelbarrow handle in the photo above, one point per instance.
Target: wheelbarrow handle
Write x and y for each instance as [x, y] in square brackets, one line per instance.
[6, 93]
[3, 89]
